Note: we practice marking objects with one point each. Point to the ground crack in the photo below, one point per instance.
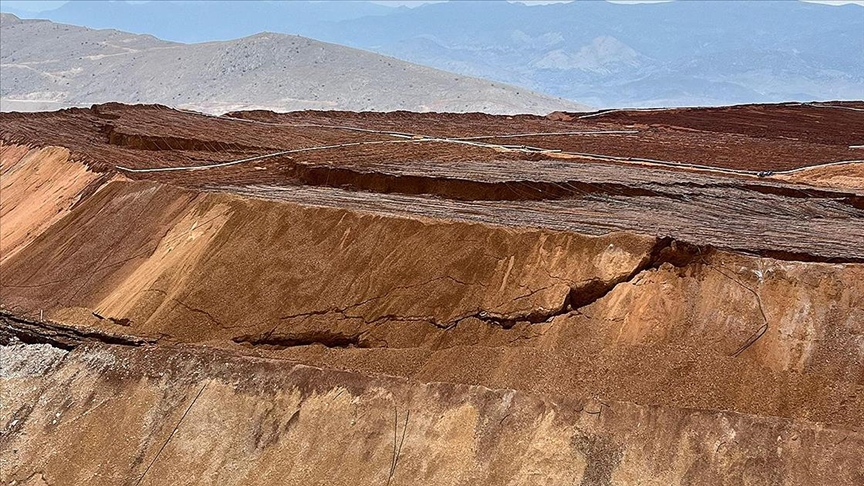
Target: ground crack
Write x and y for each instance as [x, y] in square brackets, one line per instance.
[29, 331]
[666, 250]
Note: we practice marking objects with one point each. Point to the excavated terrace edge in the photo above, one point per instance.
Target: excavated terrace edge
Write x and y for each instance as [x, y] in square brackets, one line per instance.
[16, 329]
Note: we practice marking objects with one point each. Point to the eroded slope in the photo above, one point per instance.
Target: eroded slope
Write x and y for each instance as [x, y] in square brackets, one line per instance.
[191, 417]
[603, 321]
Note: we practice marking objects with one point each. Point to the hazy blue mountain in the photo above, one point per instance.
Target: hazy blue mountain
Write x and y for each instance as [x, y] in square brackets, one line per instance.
[202, 21]
[598, 53]
[48, 65]
[610, 54]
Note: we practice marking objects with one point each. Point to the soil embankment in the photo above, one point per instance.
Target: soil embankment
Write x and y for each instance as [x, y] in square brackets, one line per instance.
[192, 416]
[39, 187]
[679, 327]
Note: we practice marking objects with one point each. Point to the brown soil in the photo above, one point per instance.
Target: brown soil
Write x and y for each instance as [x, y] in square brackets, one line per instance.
[758, 137]
[182, 415]
[538, 316]
[832, 123]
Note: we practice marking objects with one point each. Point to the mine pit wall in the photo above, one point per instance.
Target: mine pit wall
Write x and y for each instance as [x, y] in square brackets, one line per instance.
[39, 186]
[178, 262]
[175, 415]
[623, 317]
[814, 312]
[213, 266]
[232, 271]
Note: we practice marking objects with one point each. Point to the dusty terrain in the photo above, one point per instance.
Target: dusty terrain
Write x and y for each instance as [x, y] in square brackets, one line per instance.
[48, 66]
[648, 297]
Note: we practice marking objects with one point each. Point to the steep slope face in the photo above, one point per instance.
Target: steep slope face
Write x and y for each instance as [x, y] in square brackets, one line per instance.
[406, 297]
[318, 264]
[39, 186]
[56, 65]
[243, 323]
[188, 413]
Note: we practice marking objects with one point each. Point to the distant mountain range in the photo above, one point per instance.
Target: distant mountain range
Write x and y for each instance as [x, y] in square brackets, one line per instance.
[598, 53]
[46, 65]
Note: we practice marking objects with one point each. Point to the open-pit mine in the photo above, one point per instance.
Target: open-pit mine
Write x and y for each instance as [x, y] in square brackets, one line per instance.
[622, 297]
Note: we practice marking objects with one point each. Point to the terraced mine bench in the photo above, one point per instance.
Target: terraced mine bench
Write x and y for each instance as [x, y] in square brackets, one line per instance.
[344, 298]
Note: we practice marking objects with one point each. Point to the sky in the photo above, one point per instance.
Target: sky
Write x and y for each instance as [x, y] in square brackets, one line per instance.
[41, 5]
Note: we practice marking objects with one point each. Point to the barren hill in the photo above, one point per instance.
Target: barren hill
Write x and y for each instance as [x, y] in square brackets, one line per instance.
[322, 297]
[47, 66]
[601, 53]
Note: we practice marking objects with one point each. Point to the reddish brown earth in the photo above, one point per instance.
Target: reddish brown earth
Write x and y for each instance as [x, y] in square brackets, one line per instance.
[396, 305]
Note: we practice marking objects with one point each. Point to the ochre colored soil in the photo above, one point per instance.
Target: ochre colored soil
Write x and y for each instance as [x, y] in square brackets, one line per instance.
[533, 317]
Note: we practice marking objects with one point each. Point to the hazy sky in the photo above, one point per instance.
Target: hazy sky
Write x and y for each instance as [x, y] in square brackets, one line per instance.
[40, 5]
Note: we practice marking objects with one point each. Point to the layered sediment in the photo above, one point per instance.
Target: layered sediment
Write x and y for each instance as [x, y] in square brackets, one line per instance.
[437, 311]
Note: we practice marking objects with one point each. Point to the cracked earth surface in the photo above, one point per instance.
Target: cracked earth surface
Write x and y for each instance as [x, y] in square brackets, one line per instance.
[633, 304]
